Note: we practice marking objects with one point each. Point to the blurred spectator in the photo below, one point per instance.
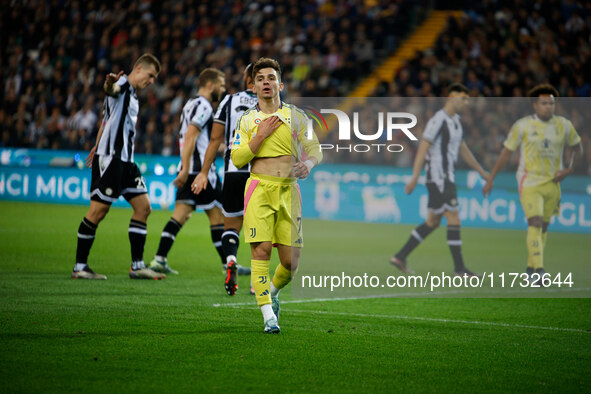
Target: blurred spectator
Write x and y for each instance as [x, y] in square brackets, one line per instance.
[86, 119]
[56, 54]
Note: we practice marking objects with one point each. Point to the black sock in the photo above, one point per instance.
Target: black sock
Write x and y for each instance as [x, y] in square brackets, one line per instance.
[167, 238]
[137, 239]
[455, 246]
[86, 233]
[416, 237]
[230, 242]
[216, 237]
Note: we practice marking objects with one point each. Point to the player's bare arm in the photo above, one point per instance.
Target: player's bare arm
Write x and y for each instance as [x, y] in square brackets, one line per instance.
[417, 166]
[92, 152]
[188, 148]
[576, 152]
[499, 165]
[215, 140]
[469, 158]
[110, 86]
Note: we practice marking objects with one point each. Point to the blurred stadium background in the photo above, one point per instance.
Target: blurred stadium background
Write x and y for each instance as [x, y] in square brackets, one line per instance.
[54, 61]
[57, 53]
[54, 56]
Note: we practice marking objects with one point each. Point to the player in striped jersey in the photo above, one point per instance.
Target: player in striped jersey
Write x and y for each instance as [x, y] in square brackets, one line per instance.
[541, 139]
[224, 125]
[441, 144]
[196, 122]
[113, 171]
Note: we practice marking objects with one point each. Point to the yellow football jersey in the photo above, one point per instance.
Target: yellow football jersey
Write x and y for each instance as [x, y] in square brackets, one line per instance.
[542, 145]
[290, 139]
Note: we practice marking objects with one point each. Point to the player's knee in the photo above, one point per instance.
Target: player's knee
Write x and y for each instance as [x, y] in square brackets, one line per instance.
[145, 211]
[292, 265]
[536, 221]
[261, 251]
[262, 254]
[97, 214]
[233, 224]
[433, 222]
[215, 217]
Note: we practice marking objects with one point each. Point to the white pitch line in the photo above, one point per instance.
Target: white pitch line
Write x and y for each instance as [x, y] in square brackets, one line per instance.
[436, 319]
[398, 295]
[441, 320]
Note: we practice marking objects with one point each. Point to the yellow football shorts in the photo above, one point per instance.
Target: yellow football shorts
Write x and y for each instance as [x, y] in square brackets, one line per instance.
[542, 200]
[273, 210]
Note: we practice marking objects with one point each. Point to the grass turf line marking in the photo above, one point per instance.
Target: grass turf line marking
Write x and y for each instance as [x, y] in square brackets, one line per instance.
[398, 295]
[442, 320]
[434, 319]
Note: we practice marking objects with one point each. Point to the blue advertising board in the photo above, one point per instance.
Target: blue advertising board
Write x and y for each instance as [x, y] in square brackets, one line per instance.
[332, 192]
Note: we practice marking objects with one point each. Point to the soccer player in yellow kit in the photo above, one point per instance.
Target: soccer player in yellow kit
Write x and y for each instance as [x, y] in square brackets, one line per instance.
[541, 138]
[273, 136]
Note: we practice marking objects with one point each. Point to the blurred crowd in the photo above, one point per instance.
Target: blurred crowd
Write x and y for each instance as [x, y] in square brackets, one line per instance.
[503, 49]
[54, 61]
[57, 53]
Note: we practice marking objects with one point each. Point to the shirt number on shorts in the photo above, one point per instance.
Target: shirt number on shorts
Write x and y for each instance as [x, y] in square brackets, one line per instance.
[141, 183]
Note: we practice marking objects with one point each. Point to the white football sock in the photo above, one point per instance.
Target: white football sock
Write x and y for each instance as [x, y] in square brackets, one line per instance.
[267, 312]
[274, 291]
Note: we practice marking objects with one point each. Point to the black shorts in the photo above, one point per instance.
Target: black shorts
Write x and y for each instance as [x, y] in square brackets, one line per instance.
[112, 178]
[444, 200]
[207, 199]
[233, 193]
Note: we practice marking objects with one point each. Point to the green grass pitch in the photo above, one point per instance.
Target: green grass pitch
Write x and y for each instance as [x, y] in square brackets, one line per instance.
[184, 334]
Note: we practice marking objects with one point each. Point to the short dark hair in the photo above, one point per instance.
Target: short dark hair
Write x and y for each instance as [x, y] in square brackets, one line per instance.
[457, 87]
[539, 90]
[266, 62]
[147, 59]
[210, 74]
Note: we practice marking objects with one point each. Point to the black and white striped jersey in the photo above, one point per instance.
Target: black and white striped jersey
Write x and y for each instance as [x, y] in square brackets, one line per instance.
[444, 132]
[199, 113]
[228, 113]
[120, 114]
